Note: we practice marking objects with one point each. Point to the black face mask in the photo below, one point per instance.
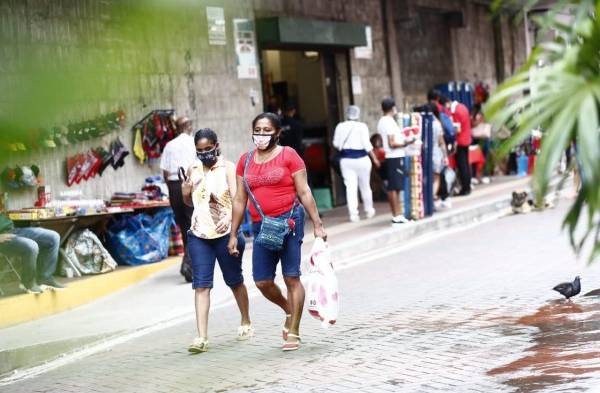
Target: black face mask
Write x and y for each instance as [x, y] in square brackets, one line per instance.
[208, 158]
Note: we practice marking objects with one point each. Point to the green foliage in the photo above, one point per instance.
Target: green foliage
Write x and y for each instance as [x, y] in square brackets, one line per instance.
[102, 58]
[563, 98]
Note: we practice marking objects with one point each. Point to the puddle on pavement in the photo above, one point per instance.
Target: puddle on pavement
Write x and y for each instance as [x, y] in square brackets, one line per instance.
[565, 351]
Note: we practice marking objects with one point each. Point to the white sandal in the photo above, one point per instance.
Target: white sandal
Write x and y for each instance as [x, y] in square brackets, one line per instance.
[199, 345]
[245, 332]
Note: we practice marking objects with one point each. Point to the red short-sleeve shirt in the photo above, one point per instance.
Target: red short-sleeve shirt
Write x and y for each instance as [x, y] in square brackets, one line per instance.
[271, 182]
[461, 115]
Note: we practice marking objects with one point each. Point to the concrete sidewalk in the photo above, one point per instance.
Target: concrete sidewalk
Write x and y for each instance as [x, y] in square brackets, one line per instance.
[468, 311]
[165, 296]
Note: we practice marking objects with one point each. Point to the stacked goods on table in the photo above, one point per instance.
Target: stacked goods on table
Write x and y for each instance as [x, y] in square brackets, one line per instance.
[153, 195]
[60, 208]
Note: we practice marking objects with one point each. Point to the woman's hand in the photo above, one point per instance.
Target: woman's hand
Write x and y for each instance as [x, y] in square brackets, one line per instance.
[232, 246]
[320, 232]
[223, 223]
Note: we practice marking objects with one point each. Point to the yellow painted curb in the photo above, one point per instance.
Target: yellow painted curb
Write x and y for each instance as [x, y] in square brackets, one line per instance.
[28, 307]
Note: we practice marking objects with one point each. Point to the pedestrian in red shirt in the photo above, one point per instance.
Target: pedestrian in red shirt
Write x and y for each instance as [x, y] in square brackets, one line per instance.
[462, 119]
[275, 177]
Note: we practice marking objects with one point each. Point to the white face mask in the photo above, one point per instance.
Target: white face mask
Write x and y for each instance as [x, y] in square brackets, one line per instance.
[262, 142]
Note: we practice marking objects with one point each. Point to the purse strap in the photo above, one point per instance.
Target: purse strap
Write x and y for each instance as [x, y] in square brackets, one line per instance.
[347, 137]
[247, 186]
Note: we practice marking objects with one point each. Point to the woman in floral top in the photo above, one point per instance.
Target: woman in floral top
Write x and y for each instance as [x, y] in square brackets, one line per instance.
[209, 186]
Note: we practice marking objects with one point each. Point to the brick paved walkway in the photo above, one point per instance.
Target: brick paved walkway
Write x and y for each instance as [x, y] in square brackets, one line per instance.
[472, 311]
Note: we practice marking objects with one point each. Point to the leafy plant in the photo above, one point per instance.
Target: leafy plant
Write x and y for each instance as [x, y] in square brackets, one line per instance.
[558, 89]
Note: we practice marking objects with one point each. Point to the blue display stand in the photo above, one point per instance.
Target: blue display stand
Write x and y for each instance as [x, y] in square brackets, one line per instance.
[427, 163]
[406, 192]
[458, 91]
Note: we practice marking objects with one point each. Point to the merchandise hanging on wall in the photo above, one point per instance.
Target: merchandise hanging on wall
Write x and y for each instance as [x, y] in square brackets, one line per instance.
[73, 133]
[152, 133]
[21, 177]
[84, 166]
[458, 91]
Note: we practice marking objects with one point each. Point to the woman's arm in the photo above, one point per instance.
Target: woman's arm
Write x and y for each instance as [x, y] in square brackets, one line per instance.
[307, 200]
[225, 219]
[442, 144]
[336, 137]
[239, 207]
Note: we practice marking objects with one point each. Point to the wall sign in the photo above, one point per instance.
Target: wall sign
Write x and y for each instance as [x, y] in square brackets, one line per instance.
[356, 85]
[245, 48]
[365, 52]
[216, 26]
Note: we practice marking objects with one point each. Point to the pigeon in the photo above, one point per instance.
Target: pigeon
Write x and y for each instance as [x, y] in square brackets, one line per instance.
[569, 289]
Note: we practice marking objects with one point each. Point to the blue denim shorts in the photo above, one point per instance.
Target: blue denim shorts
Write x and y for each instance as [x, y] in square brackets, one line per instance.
[264, 261]
[204, 252]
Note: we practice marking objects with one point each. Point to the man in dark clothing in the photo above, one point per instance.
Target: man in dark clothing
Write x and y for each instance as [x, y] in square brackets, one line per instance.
[292, 130]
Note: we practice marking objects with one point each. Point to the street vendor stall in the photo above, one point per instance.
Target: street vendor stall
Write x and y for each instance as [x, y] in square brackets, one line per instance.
[131, 227]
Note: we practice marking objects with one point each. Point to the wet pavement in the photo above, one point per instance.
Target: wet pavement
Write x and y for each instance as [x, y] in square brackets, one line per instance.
[565, 350]
[472, 311]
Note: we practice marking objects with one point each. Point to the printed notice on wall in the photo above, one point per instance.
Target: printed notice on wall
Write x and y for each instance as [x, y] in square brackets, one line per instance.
[356, 85]
[245, 48]
[216, 26]
[365, 52]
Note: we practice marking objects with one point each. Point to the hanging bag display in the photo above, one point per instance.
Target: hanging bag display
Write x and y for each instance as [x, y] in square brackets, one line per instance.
[273, 230]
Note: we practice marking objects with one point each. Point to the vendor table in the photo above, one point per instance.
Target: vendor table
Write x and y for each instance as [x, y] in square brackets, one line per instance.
[67, 224]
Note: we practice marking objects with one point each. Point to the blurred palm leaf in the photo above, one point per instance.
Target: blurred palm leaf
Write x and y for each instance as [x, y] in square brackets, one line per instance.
[563, 98]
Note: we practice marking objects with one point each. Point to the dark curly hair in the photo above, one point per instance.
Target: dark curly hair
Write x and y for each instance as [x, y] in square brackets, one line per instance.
[274, 119]
[206, 133]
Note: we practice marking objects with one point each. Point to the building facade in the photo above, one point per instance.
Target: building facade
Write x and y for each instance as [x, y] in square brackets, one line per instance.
[221, 63]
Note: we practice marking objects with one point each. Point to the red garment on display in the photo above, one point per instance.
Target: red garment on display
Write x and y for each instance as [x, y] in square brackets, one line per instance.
[461, 115]
[272, 183]
[476, 158]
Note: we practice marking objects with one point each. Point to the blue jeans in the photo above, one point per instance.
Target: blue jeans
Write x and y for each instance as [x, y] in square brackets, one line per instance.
[264, 261]
[37, 250]
[204, 252]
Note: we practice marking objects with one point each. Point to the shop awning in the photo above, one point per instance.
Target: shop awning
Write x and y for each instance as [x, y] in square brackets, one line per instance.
[289, 31]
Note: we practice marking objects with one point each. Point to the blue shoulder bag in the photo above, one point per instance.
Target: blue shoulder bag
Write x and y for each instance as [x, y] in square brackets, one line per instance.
[273, 230]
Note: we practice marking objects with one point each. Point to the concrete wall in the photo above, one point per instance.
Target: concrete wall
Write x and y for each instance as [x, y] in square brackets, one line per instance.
[180, 71]
[433, 51]
[473, 46]
[373, 72]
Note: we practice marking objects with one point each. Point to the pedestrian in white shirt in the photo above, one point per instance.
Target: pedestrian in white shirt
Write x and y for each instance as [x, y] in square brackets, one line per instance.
[394, 143]
[180, 152]
[351, 138]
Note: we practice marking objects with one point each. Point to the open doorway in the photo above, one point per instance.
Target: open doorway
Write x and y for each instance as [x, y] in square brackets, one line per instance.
[316, 84]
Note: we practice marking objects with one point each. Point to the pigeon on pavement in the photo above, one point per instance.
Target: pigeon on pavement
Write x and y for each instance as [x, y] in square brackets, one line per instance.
[569, 289]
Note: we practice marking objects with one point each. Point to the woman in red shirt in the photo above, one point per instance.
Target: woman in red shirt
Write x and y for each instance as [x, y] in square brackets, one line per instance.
[276, 175]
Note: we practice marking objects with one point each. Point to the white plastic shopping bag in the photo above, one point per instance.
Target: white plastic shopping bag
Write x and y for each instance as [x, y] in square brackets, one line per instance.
[322, 285]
